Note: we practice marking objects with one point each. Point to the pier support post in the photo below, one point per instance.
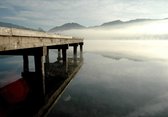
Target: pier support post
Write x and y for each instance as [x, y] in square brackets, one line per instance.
[75, 53]
[47, 56]
[40, 72]
[59, 55]
[81, 51]
[25, 64]
[64, 57]
[39, 67]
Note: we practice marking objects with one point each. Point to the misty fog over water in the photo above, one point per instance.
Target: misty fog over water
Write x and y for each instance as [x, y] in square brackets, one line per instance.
[125, 72]
[119, 78]
[140, 30]
[125, 58]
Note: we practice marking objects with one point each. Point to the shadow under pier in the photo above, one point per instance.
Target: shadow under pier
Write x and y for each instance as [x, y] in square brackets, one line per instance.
[43, 86]
[58, 75]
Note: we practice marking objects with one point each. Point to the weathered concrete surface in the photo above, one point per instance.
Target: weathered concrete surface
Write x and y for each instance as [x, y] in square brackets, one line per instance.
[13, 39]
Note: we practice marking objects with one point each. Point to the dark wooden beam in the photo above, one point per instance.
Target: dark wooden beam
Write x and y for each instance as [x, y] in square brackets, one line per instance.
[81, 51]
[39, 56]
[65, 59]
[25, 63]
[29, 51]
[58, 46]
[73, 44]
[75, 53]
[59, 55]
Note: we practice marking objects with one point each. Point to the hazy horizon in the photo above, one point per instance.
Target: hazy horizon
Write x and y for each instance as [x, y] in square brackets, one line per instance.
[142, 30]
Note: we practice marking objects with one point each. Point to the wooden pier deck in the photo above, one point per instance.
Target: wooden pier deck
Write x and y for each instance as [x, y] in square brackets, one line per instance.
[48, 80]
[13, 39]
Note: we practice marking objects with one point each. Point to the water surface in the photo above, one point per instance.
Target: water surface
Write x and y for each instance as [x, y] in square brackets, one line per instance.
[118, 79]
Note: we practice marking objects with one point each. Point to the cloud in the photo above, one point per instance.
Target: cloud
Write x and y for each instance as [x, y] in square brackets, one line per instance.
[15, 18]
[57, 12]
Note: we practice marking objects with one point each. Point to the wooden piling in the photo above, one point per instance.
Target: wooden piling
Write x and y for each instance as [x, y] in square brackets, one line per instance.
[75, 53]
[40, 71]
[81, 51]
[59, 55]
[25, 64]
[64, 57]
[47, 60]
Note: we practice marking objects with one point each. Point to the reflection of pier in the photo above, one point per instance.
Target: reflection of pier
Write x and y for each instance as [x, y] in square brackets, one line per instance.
[48, 80]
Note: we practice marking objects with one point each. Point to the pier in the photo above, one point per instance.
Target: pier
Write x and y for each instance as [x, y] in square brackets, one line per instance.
[38, 89]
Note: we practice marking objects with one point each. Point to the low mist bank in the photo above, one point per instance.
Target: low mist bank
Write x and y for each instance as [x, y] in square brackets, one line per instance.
[140, 30]
[138, 50]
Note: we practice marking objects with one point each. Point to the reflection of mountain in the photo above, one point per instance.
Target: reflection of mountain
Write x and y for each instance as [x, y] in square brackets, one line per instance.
[67, 26]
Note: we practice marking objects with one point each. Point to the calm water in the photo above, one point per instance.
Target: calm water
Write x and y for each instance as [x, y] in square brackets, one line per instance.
[118, 79]
[10, 69]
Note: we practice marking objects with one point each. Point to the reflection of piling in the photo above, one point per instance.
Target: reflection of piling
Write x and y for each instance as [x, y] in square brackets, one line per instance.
[40, 63]
[63, 69]
[37, 78]
[59, 70]
[39, 70]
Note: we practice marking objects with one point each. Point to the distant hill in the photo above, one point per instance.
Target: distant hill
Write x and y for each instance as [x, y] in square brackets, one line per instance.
[10, 25]
[119, 23]
[117, 29]
[140, 20]
[111, 24]
[116, 22]
[67, 26]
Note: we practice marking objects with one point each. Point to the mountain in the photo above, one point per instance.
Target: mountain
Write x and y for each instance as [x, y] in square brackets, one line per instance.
[116, 22]
[10, 25]
[40, 29]
[111, 24]
[119, 23]
[67, 26]
[117, 29]
[139, 20]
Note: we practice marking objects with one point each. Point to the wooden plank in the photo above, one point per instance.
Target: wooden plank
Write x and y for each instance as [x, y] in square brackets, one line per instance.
[14, 43]
[24, 40]
[5, 31]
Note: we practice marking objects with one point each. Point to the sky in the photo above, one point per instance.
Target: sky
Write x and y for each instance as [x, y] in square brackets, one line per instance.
[50, 13]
